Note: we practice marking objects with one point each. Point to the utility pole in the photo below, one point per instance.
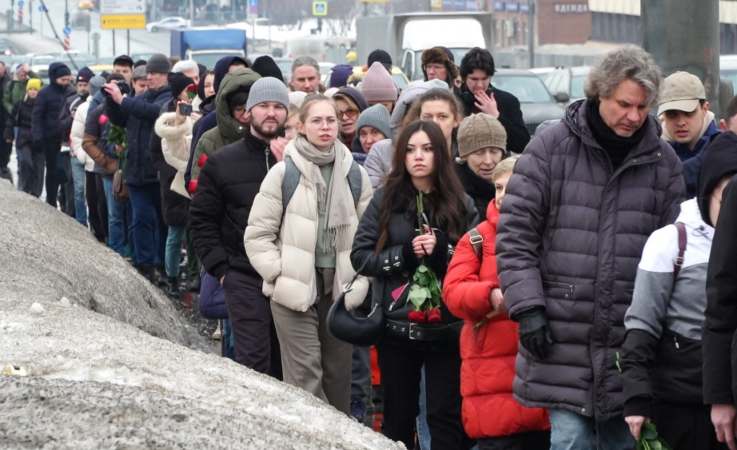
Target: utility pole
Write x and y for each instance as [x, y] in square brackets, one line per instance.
[684, 35]
[66, 13]
[531, 32]
[191, 12]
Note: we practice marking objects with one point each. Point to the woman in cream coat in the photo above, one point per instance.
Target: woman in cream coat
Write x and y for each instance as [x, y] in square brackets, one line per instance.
[303, 252]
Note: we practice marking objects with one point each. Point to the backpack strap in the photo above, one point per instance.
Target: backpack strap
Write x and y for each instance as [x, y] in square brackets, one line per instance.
[682, 241]
[355, 181]
[292, 175]
[290, 182]
[477, 242]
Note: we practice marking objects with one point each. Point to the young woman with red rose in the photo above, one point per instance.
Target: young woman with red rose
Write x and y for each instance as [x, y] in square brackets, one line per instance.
[404, 239]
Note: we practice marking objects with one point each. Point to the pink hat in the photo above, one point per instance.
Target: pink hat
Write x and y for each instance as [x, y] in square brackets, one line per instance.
[378, 85]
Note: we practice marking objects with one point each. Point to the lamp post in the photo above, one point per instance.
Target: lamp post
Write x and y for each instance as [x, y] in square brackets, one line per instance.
[66, 13]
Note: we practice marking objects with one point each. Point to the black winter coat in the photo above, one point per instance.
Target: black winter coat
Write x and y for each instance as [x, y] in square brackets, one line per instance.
[138, 115]
[570, 235]
[219, 210]
[480, 190]
[174, 207]
[510, 115]
[21, 117]
[719, 338]
[395, 264]
[47, 112]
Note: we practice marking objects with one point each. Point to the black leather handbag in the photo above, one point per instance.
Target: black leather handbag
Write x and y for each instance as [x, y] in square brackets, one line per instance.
[349, 327]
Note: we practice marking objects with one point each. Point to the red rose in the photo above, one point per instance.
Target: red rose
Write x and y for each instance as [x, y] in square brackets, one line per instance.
[202, 160]
[434, 316]
[102, 120]
[417, 316]
[192, 186]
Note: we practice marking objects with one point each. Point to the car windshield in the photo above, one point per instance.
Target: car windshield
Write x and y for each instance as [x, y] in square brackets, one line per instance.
[577, 83]
[730, 75]
[527, 88]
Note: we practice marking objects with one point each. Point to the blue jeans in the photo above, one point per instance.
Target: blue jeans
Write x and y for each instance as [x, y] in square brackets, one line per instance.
[571, 431]
[173, 250]
[423, 429]
[115, 218]
[147, 227]
[79, 178]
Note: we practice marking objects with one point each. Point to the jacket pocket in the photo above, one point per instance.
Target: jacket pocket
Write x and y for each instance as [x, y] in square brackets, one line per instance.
[677, 374]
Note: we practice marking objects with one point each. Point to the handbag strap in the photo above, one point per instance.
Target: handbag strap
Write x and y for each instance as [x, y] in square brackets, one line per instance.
[358, 274]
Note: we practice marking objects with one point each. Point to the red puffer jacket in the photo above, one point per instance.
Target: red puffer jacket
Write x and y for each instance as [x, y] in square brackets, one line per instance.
[488, 353]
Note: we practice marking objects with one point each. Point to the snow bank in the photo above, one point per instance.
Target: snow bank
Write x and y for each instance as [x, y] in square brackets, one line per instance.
[80, 367]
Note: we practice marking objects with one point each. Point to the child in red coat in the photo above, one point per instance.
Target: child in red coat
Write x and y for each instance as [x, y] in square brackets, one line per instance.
[489, 340]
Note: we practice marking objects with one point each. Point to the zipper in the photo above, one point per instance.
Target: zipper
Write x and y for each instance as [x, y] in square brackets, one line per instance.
[635, 162]
[675, 341]
[266, 155]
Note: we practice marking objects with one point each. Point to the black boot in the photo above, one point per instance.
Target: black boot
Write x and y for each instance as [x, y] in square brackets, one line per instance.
[172, 287]
[148, 272]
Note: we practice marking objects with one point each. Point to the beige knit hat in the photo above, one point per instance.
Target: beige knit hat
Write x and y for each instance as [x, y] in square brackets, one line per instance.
[480, 131]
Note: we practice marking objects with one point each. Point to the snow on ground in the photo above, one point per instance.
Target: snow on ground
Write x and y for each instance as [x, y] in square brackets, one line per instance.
[80, 366]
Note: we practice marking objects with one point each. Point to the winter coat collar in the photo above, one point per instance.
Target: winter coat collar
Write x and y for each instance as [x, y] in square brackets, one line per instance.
[575, 120]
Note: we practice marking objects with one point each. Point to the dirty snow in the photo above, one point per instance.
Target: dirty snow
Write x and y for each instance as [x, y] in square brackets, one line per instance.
[95, 376]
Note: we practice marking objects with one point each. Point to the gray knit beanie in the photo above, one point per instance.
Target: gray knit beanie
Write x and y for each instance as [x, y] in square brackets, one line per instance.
[268, 89]
[96, 83]
[139, 73]
[479, 131]
[158, 63]
[376, 116]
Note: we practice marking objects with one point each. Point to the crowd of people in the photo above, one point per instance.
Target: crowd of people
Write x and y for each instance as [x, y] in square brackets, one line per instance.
[556, 292]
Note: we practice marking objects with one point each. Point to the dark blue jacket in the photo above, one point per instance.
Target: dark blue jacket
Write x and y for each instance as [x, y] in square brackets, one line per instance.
[47, 112]
[693, 158]
[138, 115]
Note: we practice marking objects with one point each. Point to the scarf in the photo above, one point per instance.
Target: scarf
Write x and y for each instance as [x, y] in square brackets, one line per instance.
[617, 147]
[335, 199]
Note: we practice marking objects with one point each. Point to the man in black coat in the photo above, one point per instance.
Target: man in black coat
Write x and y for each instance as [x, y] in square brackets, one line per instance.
[478, 95]
[228, 184]
[6, 146]
[138, 115]
[46, 129]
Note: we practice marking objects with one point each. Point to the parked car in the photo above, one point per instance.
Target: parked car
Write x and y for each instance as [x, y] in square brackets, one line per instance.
[537, 104]
[169, 23]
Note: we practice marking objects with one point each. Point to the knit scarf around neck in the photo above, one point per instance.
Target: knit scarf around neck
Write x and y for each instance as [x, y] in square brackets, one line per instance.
[616, 146]
[335, 199]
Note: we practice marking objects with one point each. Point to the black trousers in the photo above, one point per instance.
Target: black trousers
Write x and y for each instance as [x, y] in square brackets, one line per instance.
[94, 192]
[256, 344]
[6, 148]
[686, 427]
[51, 150]
[533, 440]
[401, 364]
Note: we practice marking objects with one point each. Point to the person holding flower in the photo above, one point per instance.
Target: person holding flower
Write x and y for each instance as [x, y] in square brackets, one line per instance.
[404, 241]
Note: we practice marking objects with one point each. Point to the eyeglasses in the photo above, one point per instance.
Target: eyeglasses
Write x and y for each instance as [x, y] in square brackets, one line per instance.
[348, 113]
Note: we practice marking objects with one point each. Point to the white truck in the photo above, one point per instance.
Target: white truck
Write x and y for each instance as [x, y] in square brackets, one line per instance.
[405, 36]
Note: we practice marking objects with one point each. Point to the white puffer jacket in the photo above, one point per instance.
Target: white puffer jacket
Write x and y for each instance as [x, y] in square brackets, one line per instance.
[175, 142]
[283, 252]
[77, 134]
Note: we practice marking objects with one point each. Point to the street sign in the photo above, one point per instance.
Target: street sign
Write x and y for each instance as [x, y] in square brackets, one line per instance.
[123, 21]
[122, 7]
[319, 8]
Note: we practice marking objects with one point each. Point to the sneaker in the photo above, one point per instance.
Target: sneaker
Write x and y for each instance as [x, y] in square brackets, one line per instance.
[358, 410]
[218, 333]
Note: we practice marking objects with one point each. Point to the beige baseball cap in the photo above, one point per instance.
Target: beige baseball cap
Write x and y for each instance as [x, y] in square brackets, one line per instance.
[681, 91]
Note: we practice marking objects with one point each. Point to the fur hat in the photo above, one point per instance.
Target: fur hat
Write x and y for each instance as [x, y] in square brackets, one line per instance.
[439, 55]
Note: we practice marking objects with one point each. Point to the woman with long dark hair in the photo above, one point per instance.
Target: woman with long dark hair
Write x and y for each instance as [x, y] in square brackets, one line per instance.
[404, 241]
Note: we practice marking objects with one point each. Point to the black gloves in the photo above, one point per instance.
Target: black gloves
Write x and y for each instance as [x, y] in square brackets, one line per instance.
[534, 333]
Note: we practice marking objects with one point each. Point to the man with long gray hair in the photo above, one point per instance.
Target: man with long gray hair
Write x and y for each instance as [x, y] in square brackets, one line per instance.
[583, 199]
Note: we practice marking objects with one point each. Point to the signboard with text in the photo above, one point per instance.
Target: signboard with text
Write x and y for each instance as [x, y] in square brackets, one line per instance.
[122, 14]
[319, 8]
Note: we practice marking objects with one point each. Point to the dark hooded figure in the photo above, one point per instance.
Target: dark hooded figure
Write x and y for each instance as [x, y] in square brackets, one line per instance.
[46, 129]
[209, 121]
